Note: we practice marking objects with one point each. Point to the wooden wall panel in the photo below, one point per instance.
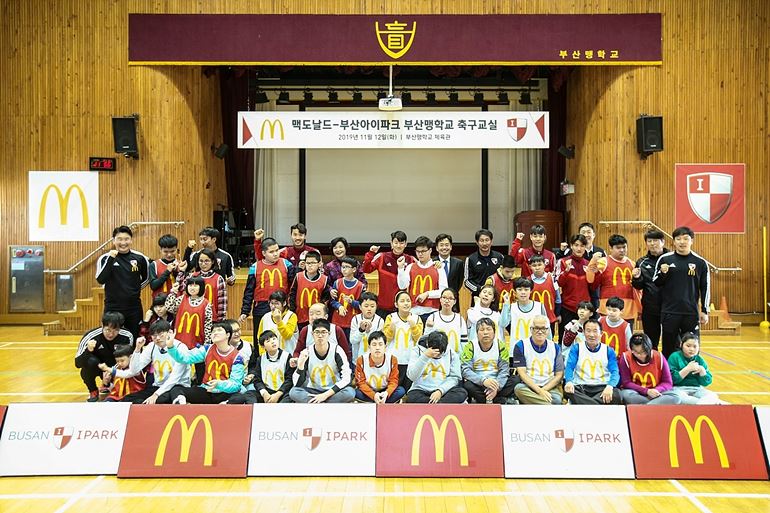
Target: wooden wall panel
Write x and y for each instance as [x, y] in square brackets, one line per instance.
[65, 73]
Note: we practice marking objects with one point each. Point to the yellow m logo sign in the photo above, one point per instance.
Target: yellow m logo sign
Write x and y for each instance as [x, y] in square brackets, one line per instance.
[544, 297]
[162, 369]
[187, 437]
[611, 340]
[275, 378]
[271, 274]
[402, 338]
[522, 329]
[593, 366]
[64, 200]
[434, 369]
[188, 327]
[422, 283]
[624, 273]
[694, 434]
[271, 125]
[323, 375]
[378, 381]
[308, 297]
[439, 438]
[220, 370]
[542, 364]
[647, 380]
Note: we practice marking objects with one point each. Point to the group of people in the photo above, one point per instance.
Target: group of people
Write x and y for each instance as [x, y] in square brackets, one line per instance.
[561, 330]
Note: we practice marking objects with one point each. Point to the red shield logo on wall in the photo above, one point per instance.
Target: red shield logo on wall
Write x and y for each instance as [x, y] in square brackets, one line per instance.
[517, 128]
[710, 197]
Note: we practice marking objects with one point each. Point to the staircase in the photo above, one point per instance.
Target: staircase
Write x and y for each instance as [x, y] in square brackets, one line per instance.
[720, 323]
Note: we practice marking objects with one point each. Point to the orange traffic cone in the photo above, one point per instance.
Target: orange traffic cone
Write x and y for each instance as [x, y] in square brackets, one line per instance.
[723, 307]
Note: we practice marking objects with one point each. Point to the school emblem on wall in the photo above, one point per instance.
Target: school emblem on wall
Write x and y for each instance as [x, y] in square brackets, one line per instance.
[710, 197]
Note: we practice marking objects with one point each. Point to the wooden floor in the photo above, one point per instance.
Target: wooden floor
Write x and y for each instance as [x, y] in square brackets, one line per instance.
[34, 368]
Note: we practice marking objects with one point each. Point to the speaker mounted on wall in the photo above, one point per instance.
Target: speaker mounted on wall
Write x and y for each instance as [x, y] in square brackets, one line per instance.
[649, 135]
[124, 135]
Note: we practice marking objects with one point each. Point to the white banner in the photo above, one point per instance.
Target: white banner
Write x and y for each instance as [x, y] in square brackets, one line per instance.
[62, 439]
[313, 440]
[763, 418]
[63, 206]
[567, 442]
[400, 129]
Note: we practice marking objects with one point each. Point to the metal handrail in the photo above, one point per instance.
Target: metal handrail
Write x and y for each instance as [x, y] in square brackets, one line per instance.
[135, 224]
[650, 224]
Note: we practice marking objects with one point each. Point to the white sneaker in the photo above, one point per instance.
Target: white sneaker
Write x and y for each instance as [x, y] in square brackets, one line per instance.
[180, 399]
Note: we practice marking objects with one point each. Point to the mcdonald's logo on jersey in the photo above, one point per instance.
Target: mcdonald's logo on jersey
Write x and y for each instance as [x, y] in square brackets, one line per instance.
[194, 440]
[453, 340]
[544, 297]
[424, 282]
[646, 380]
[377, 381]
[208, 293]
[63, 201]
[439, 438]
[162, 369]
[271, 125]
[435, 370]
[541, 364]
[612, 341]
[704, 442]
[322, 375]
[308, 297]
[271, 274]
[218, 370]
[484, 365]
[593, 366]
[186, 323]
[694, 435]
[121, 387]
[522, 329]
[275, 378]
[402, 338]
[625, 274]
[505, 296]
[187, 432]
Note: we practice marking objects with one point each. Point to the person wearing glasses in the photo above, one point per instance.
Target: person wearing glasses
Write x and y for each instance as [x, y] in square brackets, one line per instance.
[539, 364]
[323, 372]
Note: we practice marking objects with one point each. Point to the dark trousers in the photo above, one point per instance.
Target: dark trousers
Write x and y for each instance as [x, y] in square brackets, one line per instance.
[254, 397]
[195, 395]
[90, 371]
[454, 395]
[651, 325]
[567, 316]
[592, 394]
[259, 310]
[403, 381]
[200, 370]
[476, 392]
[673, 327]
[142, 395]
[134, 317]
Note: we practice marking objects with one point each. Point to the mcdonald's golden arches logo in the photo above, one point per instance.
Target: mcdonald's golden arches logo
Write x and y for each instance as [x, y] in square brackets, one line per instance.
[425, 283]
[593, 366]
[162, 369]
[611, 339]
[439, 438]
[190, 318]
[63, 200]
[625, 276]
[208, 293]
[694, 434]
[271, 126]
[188, 432]
[544, 297]
[484, 365]
[646, 380]
[308, 297]
[377, 381]
[402, 337]
[397, 39]
[275, 378]
[522, 328]
[271, 273]
[434, 369]
[322, 374]
[505, 296]
[453, 340]
[121, 387]
[542, 364]
[221, 370]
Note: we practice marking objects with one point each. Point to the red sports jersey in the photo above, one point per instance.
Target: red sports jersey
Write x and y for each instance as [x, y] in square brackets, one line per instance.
[345, 296]
[614, 337]
[648, 375]
[121, 387]
[522, 256]
[160, 268]
[386, 266]
[190, 322]
[211, 293]
[545, 293]
[308, 293]
[615, 280]
[218, 365]
[423, 280]
[269, 278]
[503, 288]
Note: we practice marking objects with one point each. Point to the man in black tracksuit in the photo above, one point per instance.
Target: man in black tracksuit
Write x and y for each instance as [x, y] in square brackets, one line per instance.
[642, 280]
[683, 278]
[124, 273]
[97, 347]
[482, 264]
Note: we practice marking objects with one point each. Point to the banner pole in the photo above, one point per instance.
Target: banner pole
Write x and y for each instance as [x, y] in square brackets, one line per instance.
[764, 324]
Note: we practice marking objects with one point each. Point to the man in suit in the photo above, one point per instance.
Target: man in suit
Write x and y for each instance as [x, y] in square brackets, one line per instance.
[453, 266]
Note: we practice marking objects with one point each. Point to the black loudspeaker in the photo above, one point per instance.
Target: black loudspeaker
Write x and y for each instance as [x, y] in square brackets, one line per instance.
[649, 134]
[124, 135]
